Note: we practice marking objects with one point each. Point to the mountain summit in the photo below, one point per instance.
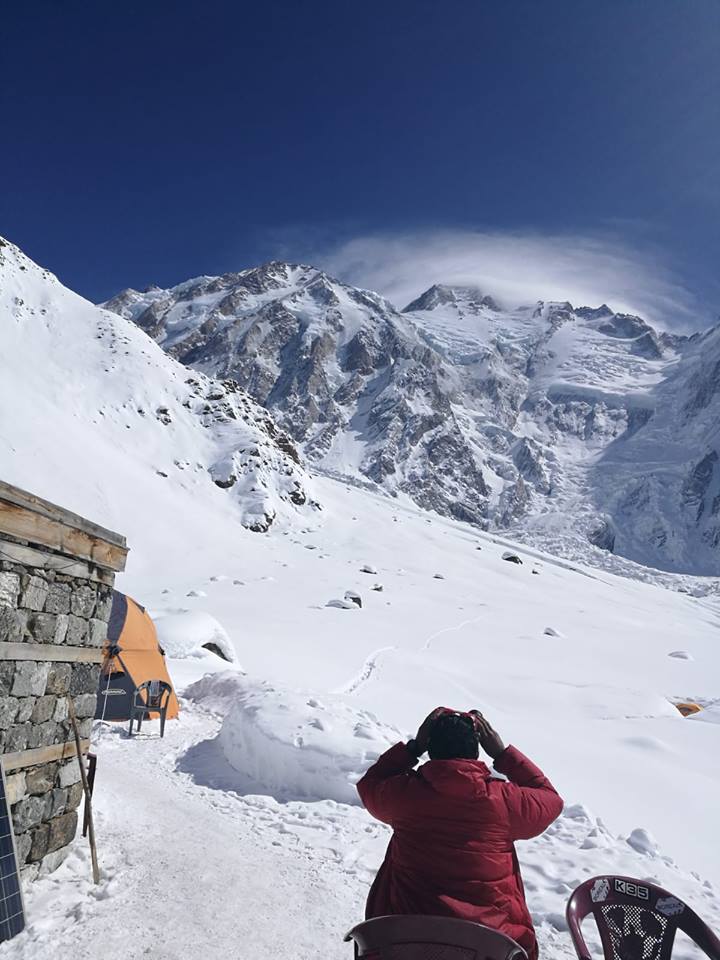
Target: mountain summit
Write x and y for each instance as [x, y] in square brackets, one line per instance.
[576, 428]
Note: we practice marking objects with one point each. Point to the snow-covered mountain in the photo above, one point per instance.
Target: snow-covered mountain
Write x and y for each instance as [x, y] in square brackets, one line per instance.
[352, 379]
[579, 429]
[254, 778]
[81, 387]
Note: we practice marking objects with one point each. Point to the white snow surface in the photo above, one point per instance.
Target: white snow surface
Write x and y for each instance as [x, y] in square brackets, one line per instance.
[93, 409]
[289, 743]
[205, 847]
[590, 706]
[187, 633]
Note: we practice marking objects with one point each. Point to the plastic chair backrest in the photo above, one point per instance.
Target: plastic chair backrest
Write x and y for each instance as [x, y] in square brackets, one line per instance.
[636, 920]
[431, 938]
[152, 694]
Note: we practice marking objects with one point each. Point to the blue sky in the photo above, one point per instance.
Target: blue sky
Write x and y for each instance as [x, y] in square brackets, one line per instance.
[150, 142]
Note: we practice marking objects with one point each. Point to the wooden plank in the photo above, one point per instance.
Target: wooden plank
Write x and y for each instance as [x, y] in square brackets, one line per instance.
[28, 501]
[31, 758]
[56, 652]
[32, 557]
[36, 528]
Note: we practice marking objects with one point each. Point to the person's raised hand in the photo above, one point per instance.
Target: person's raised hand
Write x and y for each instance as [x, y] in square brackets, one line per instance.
[419, 744]
[488, 738]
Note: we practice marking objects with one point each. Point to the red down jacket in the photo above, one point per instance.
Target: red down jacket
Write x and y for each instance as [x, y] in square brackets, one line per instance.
[452, 851]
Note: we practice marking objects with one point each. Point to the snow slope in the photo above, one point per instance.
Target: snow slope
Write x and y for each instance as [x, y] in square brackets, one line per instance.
[573, 665]
[603, 686]
[96, 415]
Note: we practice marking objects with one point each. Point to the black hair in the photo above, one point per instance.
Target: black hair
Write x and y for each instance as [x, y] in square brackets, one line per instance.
[453, 737]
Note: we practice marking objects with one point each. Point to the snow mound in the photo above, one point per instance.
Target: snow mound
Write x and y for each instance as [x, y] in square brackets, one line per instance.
[215, 692]
[643, 841]
[191, 633]
[290, 744]
[708, 715]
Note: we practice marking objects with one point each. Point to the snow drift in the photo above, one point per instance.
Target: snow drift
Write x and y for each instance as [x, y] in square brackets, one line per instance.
[289, 744]
[192, 633]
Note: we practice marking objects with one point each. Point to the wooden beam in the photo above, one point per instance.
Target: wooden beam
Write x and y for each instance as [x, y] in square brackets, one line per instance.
[37, 528]
[32, 557]
[27, 517]
[32, 758]
[56, 652]
[28, 501]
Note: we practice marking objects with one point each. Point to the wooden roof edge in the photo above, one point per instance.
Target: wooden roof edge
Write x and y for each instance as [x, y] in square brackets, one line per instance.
[22, 500]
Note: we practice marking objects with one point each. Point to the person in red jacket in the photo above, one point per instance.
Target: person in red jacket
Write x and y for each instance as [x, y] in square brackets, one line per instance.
[454, 825]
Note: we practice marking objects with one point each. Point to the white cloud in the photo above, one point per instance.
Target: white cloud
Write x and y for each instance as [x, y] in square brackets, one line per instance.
[516, 268]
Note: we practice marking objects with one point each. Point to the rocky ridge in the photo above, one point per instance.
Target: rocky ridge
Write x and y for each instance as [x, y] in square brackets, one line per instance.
[536, 420]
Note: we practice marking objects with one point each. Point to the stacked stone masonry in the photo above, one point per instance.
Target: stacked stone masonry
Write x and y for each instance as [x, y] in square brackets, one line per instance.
[40, 605]
[57, 573]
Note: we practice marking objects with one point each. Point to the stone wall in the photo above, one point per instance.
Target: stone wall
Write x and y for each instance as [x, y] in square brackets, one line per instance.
[38, 606]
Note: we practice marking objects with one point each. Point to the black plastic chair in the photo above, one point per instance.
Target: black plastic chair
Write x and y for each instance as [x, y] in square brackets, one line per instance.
[636, 920]
[430, 938]
[153, 696]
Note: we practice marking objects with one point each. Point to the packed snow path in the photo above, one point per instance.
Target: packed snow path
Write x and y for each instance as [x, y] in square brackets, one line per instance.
[191, 871]
[192, 868]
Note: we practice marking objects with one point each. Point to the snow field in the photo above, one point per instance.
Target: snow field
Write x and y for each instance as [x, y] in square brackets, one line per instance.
[591, 706]
[202, 850]
[198, 868]
[283, 875]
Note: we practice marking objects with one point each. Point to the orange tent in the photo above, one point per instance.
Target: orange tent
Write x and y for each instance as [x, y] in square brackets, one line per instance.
[132, 656]
[689, 708]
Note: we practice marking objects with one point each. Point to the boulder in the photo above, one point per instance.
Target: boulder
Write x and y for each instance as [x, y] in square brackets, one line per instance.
[342, 604]
[12, 623]
[30, 679]
[29, 812]
[58, 681]
[35, 594]
[9, 589]
[40, 780]
[8, 711]
[62, 830]
[40, 840]
[58, 598]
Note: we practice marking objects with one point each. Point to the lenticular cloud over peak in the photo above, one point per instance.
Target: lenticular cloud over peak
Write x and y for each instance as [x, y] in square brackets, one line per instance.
[516, 268]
